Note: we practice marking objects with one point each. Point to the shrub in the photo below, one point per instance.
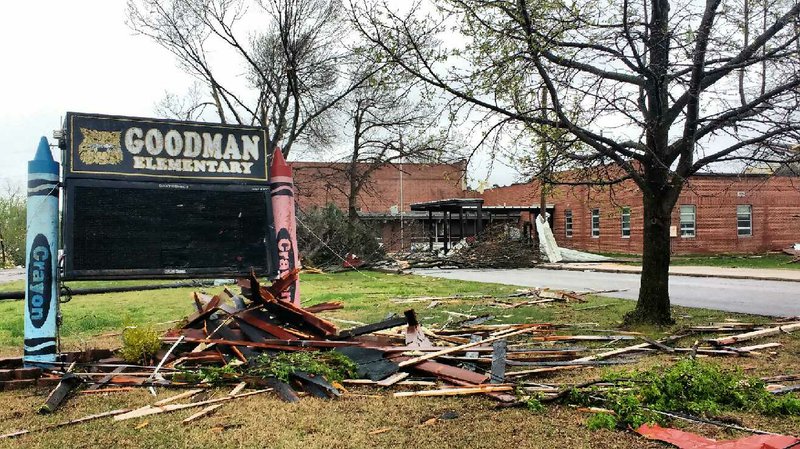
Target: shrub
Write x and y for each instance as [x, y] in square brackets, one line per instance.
[325, 236]
[602, 421]
[139, 344]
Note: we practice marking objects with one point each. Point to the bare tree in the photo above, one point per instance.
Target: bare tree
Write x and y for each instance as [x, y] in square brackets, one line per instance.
[12, 226]
[654, 81]
[390, 122]
[292, 67]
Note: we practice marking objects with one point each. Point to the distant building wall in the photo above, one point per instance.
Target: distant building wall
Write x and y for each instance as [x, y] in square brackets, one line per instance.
[774, 204]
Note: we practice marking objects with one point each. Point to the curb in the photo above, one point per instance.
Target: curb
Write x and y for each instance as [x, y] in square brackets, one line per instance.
[693, 275]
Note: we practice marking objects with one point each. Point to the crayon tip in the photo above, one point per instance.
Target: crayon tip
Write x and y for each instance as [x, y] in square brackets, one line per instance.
[43, 160]
[43, 151]
[279, 167]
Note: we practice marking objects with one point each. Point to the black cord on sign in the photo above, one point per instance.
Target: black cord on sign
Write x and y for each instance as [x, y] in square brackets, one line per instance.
[65, 295]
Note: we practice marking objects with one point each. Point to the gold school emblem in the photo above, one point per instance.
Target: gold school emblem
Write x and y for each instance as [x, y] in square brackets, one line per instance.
[100, 147]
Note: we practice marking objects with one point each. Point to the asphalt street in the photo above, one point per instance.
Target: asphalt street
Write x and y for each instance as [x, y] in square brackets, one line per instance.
[774, 298]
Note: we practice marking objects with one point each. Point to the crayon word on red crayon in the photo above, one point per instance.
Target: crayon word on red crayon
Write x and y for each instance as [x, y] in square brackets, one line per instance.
[190, 151]
[285, 258]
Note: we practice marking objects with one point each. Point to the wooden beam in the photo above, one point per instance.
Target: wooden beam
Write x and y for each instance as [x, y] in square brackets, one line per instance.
[150, 410]
[455, 391]
[450, 350]
[724, 341]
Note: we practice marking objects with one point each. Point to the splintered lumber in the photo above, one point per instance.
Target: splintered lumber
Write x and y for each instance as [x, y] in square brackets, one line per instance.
[211, 408]
[281, 345]
[433, 355]
[68, 383]
[323, 306]
[178, 397]
[456, 391]
[549, 369]
[67, 423]
[150, 410]
[374, 327]
[256, 318]
[757, 347]
[206, 411]
[393, 379]
[724, 341]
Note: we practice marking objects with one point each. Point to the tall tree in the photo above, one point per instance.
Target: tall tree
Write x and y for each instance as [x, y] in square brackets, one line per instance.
[656, 82]
[285, 75]
[390, 123]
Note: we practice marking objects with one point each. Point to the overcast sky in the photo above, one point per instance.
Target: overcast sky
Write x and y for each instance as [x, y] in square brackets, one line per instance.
[79, 55]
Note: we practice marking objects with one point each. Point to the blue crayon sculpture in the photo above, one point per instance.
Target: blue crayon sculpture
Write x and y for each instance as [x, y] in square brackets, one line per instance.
[41, 289]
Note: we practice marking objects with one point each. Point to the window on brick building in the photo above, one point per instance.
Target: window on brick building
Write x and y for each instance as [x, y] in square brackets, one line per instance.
[626, 222]
[744, 220]
[688, 220]
[595, 223]
[568, 223]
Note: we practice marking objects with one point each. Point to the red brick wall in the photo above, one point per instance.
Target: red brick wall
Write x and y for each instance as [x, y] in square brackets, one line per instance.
[775, 205]
[318, 184]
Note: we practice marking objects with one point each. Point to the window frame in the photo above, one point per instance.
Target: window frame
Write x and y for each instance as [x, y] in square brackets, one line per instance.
[693, 222]
[595, 231]
[626, 212]
[749, 227]
[568, 224]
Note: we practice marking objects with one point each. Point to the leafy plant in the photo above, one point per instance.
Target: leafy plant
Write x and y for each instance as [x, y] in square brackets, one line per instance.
[139, 344]
[602, 421]
[332, 365]
[690, 386]
[534, 404]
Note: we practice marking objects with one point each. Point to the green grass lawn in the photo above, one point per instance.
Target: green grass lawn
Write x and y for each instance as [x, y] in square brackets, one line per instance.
[765, 261]
[366, 296]
[771, 260]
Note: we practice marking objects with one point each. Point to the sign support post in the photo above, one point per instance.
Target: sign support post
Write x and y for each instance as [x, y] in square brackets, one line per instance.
[41, 263]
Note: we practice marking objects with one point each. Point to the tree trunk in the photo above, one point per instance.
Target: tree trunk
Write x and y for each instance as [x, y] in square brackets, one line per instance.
[653, 304]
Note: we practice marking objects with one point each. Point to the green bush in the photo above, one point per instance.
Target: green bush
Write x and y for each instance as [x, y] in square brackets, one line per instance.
[690, 386]
[602, 421]
[325, 236]
[139, 344]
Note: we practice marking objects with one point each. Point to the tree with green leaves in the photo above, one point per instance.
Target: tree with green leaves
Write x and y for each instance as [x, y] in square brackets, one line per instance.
[664, 89]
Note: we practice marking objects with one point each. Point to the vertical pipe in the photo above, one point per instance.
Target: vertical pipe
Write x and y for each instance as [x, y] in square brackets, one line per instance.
[282, 193]
[41, 263]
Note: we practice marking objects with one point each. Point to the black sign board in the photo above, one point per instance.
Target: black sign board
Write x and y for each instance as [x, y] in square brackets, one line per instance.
[147, 198]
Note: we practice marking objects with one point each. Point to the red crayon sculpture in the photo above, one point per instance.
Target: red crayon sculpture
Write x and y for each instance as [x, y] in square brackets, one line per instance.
[282, 191]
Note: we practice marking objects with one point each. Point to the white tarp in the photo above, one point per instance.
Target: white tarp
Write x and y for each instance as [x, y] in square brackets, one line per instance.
[549, 247]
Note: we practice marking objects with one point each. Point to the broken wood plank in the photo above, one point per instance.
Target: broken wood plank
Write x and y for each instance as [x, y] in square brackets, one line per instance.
[445, 351]
[178, 397]
[108, 377]
[150, 410]
[68, 383]
[325, 306]
[210, 409]
[455, 391]
[206, 411]
[724, 341]
[393, 379]
[374, 327]
[67, 423]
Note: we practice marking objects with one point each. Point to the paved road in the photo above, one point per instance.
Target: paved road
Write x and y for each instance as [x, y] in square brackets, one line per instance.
[11, 274]
[733, 295]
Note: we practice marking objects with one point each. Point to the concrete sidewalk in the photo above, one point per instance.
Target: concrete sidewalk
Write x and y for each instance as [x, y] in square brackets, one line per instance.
[694, 271]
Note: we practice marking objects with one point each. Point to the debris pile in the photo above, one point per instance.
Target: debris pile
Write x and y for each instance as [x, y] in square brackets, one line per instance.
[496, 247]
[254, 343]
